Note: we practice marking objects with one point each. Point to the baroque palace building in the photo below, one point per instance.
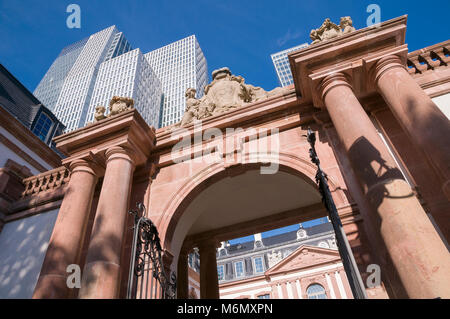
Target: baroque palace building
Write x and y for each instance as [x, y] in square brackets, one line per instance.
[299, 264]
[238, 164]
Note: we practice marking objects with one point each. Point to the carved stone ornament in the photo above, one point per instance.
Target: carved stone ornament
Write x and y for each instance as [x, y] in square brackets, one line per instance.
[226, 92]
[99, 113]
[117, 105]
[329, 30]
[274, 258]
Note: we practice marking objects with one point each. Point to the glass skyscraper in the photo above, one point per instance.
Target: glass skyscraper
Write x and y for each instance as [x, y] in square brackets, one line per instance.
[179, 65]
[68, 86]
[281, 63]
[128, 75]
[50, 86]
[90, 72]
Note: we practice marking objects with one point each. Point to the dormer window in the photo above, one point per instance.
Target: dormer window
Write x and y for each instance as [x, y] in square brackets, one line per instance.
[239, 268]
[258, 263]
[43, 126]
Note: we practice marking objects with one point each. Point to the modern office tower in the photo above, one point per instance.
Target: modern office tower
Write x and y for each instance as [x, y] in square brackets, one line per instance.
[50, 86]
[119, 46]
[179, 65]
[281, 62]
[128, 75]
[68, 85]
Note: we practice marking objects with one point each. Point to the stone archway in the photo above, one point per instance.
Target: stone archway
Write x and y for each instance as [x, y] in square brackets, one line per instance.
[201, 204]
[288, 163]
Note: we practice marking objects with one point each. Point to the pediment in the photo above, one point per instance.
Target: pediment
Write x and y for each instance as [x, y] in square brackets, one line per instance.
[305, 257]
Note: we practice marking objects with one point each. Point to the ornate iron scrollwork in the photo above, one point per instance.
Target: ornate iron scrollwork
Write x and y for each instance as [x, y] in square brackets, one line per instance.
[350, 267]
[147, 277]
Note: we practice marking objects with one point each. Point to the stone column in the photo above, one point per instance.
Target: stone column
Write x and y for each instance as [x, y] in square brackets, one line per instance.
[183, 275]
[427, 127]
[68, 235]
[209, 282]
[419, 255]
[102, 271]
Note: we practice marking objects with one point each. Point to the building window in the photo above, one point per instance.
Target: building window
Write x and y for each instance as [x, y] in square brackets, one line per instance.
[265, 296]
[42, 127]
[316, 291]
[239, 268]
[258, 264]
[220, 273]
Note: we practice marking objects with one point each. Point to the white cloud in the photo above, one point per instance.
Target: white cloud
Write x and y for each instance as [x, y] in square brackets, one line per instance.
[289, 35]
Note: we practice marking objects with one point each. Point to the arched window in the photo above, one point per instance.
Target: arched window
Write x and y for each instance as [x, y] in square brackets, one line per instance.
[316, 291]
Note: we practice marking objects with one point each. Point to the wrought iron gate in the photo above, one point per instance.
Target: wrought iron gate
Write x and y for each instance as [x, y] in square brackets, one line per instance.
[147, 276]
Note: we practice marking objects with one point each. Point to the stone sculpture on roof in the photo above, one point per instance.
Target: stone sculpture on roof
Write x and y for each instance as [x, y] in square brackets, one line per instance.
[226, 92]
[329, 30]
[346, 25]
[99, 113]
[117, 105]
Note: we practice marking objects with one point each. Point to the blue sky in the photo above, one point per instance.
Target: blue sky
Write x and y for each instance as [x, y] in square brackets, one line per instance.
[238, 34]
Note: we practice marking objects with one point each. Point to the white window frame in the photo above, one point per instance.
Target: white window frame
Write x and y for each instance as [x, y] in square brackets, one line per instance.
[262, 264]
[315, 295]
[243, 268]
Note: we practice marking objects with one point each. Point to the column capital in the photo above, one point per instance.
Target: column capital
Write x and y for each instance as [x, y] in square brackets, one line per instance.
[331, 81]
[85, 165]
[127, 129]
[120, 152]
[385, 63]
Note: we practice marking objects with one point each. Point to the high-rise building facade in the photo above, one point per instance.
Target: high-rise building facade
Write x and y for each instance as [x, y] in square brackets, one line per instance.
[51, 84]
[90, 72]
[128, 75]
[281, 63]
[179, 65]
[68, 85]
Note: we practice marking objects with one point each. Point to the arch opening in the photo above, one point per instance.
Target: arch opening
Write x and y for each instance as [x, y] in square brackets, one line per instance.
[241, 201]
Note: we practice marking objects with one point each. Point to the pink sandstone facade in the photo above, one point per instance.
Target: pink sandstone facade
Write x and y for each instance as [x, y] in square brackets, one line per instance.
[381, 140]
